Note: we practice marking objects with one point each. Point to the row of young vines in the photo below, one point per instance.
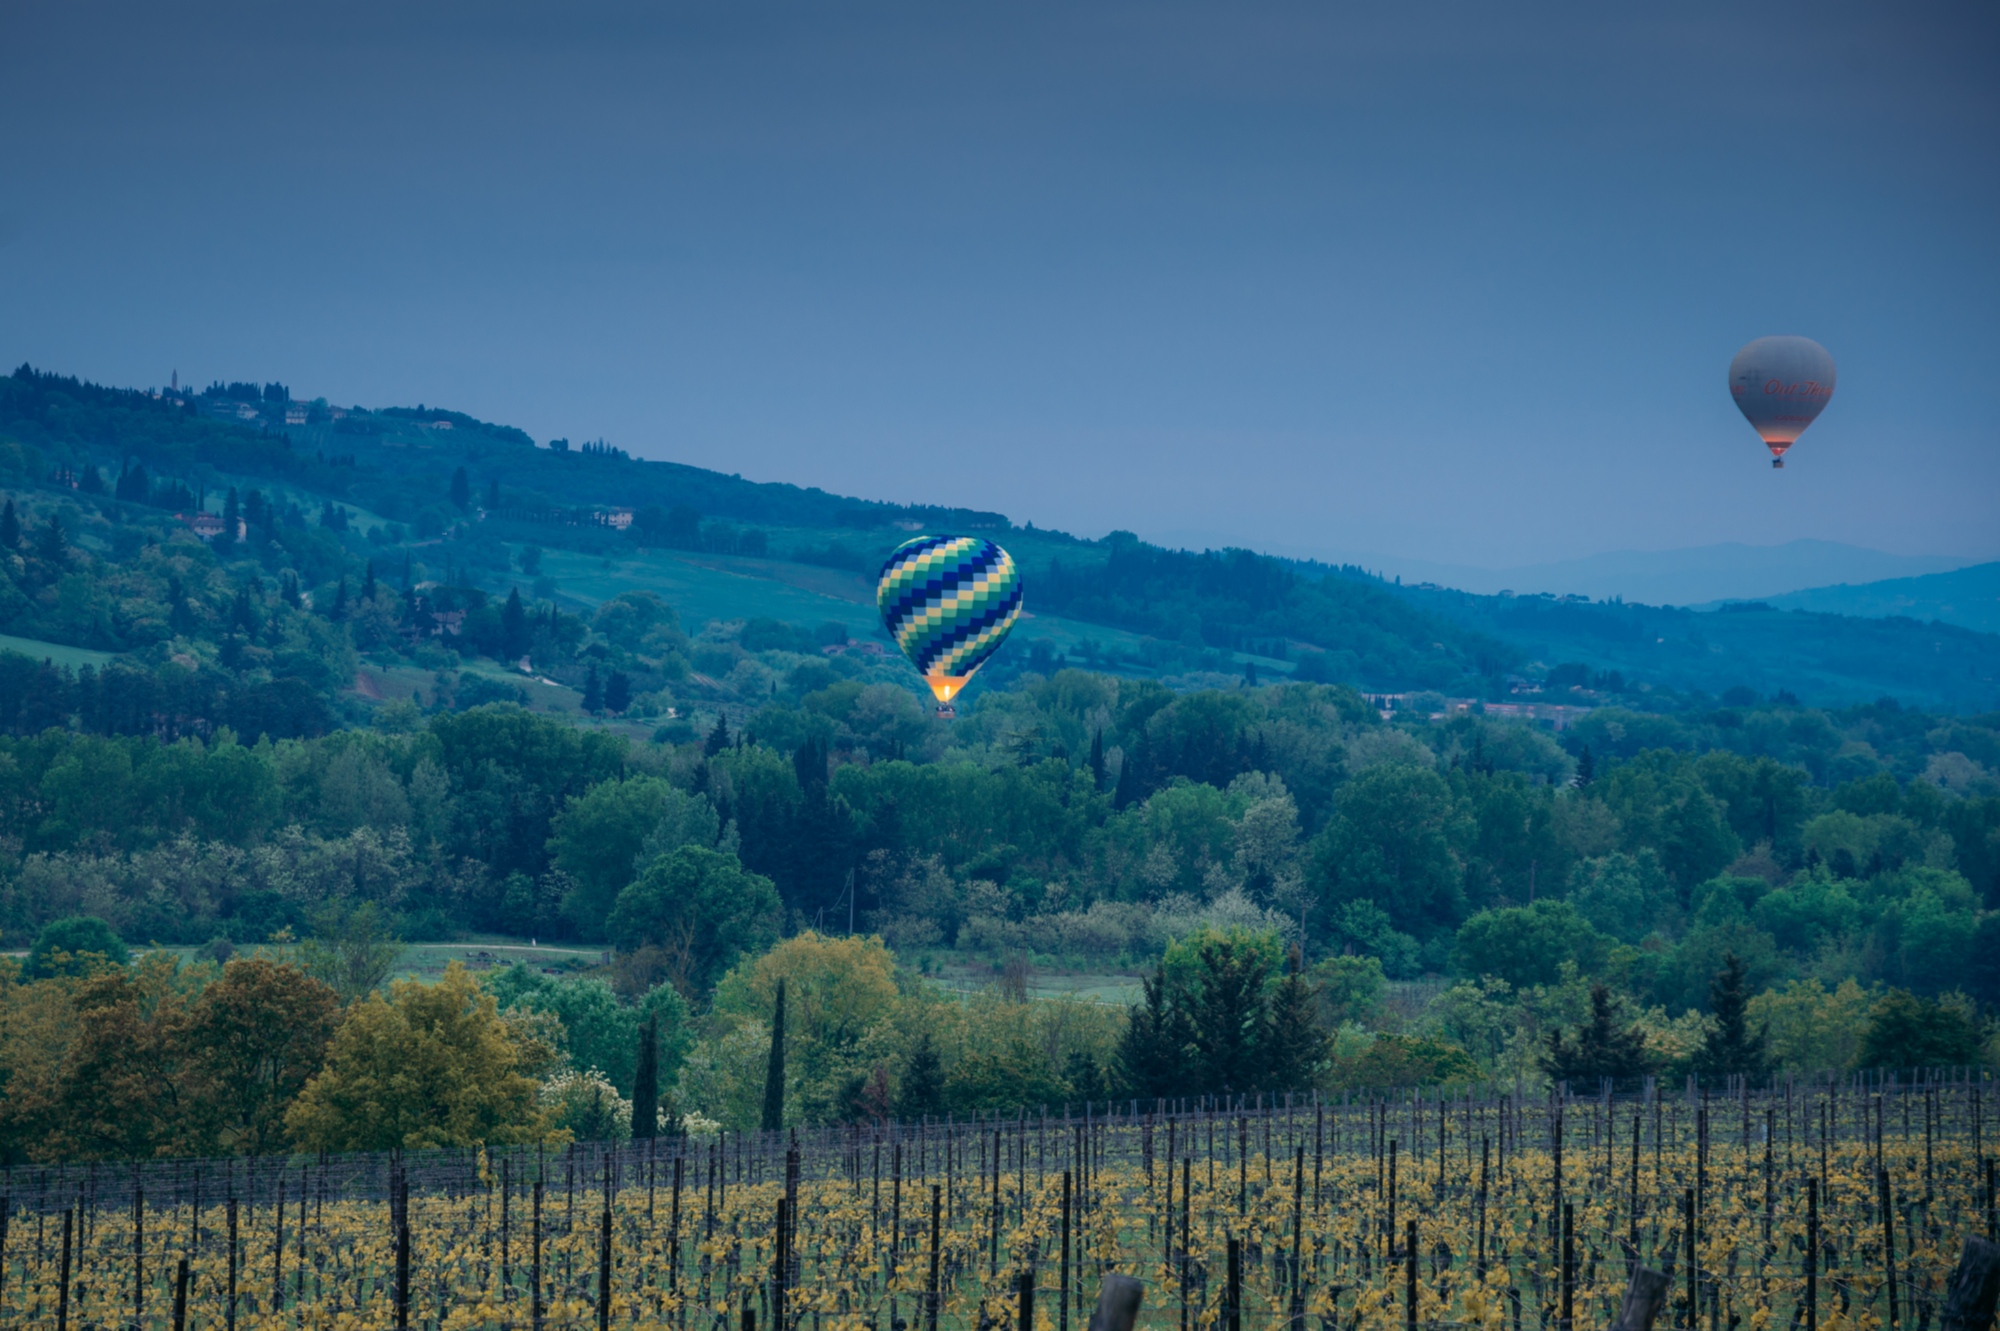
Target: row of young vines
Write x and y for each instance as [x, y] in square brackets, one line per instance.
[1836, 1205]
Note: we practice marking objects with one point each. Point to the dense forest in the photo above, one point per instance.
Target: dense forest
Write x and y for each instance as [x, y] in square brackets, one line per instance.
[203, 819]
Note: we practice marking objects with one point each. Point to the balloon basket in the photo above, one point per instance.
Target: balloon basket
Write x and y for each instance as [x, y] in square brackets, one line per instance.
[946, 712]
[1777, 464]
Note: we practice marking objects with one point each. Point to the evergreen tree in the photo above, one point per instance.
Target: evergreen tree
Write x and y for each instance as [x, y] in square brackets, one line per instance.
[514, 636]
[617, 691]
[368, 586]
[232, 514]
[461, 490]
[1295, 1047]
[1097, 772]
[340, 600]
[1128, 792]
[10, 527]
[180, 615]
[718, 738]
[1152, 1053]
[593, 692]
[1600, 1048]
[922, 1089]
[1586, 768]
[289, 591]
[1729, 1049]
[493, 495]
[52, 543]
[646, 1081]
[1226, 1016]
[91, 482]
[774, 1070]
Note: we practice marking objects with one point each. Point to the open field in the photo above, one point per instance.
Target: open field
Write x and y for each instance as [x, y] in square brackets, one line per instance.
[73, 657]
[1842, 1205]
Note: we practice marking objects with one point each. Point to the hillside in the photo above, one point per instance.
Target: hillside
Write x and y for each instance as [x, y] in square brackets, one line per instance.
[457, 514]
[1966, 597]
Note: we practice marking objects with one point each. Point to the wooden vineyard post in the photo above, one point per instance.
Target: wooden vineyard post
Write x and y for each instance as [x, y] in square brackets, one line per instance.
[1975, 1286]
[1117, 1304]
[1645, 1295]
[1479, 1268]
[230, 1314]
[934, 1291]
[1062, 1279]
[403, 1268]
[1297, 1307]
[604, 1267]
[62, 1276]
[780, 1256]
[1232, 1299]
[1410, 1279]
[1888, 1237]
[674, 1229]
[1812, 1254]
[1693, 1294]
[181, 1296]
[138, 1254]
[1026, 1286]
[1568, 1268]
[535, 1262]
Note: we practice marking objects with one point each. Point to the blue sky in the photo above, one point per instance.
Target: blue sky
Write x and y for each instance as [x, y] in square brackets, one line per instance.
[1457, 282]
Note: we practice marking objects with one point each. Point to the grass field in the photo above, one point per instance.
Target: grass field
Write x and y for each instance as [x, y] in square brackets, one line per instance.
[73, 657]
[725, 587]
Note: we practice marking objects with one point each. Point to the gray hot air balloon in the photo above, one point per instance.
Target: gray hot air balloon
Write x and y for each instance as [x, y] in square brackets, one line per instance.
[1781, 384]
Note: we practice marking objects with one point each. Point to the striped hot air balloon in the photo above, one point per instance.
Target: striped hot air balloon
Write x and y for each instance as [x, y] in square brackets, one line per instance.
[949, 602]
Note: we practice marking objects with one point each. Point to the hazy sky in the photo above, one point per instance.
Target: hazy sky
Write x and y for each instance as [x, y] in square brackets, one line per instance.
[1451, 281]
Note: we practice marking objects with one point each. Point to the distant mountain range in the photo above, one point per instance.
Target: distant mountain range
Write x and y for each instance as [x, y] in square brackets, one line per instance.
[1967, 597]
[1695, 576]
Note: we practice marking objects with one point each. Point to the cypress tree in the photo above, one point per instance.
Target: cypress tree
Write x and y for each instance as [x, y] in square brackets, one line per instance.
[1294, 1044]
[461, 490]
[646, 1081]
[1586, 768]
[1600, 1048]
[1227, 1014]
[10, 527]
[593, 692]
[774, 1071]
[493, 494]
[514, 638]
[1097, 760]
[1152, 1053]
[1729, 1049]
[340, 600]
[718, 738]
[922, 1091]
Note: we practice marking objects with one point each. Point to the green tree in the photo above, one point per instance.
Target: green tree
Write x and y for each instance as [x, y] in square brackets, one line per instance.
[74, 945]
[593, 692]
[646, 1082]
[258, 1034]
[1295, 1047]
[461, 490]
[1527, 945]
[702, 908]
[1227, 1016]
[427, 1066]
[1152, 1051]
[1601, 1047]
[1905, 1031]
[352, 948]
[598, 837]
[1392, 841]
[1730, 1048]
[921, 1091]
[773, 1118]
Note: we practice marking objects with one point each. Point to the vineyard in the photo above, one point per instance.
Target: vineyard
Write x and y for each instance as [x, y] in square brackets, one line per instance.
[1837, 1204]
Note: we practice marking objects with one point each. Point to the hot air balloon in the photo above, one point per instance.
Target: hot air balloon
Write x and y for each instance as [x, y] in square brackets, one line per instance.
[949, 602]
[1781, 384]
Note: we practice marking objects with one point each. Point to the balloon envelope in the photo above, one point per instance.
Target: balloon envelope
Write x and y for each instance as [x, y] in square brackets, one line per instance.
[1781, 384]
[948, 601]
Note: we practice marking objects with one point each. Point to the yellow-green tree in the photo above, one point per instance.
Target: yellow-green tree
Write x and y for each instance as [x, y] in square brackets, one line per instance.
[427, 1066]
